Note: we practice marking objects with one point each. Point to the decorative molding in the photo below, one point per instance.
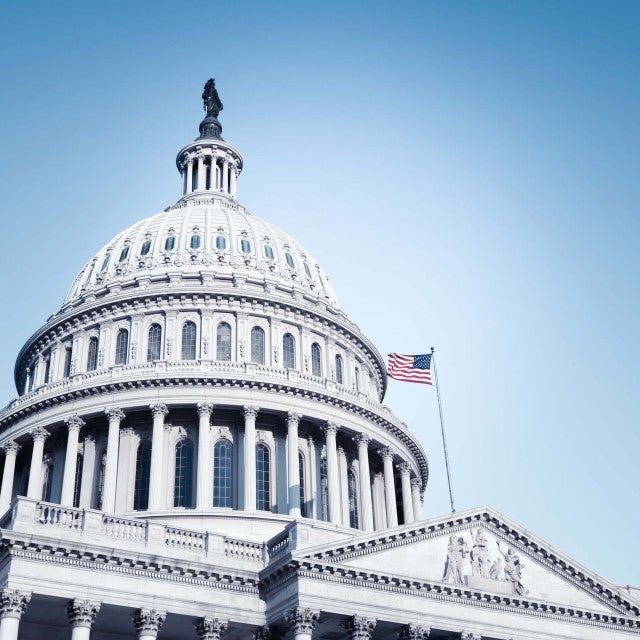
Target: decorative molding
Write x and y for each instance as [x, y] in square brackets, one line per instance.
[11, 448]
[148, 621]
[74, 422]
[414, 632]
[210, 628]
[159, 409]
[82, 613]
[205, 408]
[39, 434]
[359, 627]
[250, 411]
[115, 414]
[13, 603]
[362, 439]
[302, 620]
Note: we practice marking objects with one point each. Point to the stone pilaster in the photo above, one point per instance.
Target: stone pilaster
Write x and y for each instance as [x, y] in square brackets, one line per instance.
[359, 627]
[366, 504]
[115, 417]
[387, 454]
[210, 628]
[148, 622]
[302, 622]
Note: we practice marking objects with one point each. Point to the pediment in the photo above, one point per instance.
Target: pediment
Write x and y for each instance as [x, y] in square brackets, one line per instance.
[480, 551]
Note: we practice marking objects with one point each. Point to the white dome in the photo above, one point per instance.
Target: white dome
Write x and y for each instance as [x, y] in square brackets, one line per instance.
[211, 235]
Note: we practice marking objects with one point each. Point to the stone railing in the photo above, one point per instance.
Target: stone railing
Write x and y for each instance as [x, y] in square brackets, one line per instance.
[279, 545]
[243, 549]
[185, 539]
[124, 528]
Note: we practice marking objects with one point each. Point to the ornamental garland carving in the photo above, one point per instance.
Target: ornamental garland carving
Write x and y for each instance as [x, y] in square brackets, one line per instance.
[302, 620]
[492, 570]
[82, 613]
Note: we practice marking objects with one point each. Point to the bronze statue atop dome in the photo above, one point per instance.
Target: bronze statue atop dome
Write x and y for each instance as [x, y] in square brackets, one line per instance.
[211, 99]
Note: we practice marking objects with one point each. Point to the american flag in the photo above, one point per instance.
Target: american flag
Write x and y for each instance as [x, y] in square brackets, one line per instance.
[410, 368]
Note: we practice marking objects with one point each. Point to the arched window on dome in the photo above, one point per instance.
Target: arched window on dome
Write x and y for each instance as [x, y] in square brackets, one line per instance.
[263, 477]
[316, 359]
[122, 347]
[195, 241]
[290, 262]
[352, 487]
[68, 353]
[105, 262]
[146, 247]
[47, 368]
[92, 354]
[288, 351]
[223, 474]
[189, 340]
[303, 498]
[356, 381]
[307, 270]
[268, 252]
[223, 341]
[154, 343]
[339, 369]
[245, 245]
[183, 477]
[124, 254]
[257, 345]
[324, 489]
[77, 483]
[170, 243]
[221, 243]
[143, 474]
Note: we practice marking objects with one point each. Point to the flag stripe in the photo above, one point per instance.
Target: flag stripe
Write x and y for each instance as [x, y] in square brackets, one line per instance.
[410, 368]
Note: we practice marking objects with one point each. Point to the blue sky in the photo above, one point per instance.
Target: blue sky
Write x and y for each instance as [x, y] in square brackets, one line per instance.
[466, 173]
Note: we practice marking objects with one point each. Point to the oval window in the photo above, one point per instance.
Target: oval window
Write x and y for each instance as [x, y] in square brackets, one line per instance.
[289, 259]
[105, 262]
[221, 243]
[245, 245]
[307, 270]
[268, 252]
[170, 243]
[146, 247]
[124, 254]
[195, 241]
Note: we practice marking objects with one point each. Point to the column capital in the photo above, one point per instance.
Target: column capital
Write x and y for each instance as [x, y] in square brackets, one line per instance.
[148, 621]
[113, 413]
[341, 451]
[267, 632]
[13, 603]
[210, 628]
[205, 408]
[466, 635]
[404, 467]
[302, 620]
[159, 409]
[89, 437]
[310, 441]
[40, 434]
[250, 411]
[386, 452]
[414, 632]
[74, 422]
[293, 418]
[331, 428]
[359, 627]
[82, 613]
[362, 439]
[416, 482]
[10, 447]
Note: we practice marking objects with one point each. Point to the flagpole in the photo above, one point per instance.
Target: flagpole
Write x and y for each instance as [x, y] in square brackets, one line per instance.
[444, 440]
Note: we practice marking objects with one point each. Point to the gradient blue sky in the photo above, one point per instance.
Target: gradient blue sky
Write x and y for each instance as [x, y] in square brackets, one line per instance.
[466, 173]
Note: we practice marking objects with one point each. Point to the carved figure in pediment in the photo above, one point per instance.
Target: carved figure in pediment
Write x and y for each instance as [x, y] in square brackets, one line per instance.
[496, 569]
[480, 555]
[513, 570]
[457, 550]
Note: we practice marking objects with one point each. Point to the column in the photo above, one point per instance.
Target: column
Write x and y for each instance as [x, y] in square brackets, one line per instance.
[389, 487]
[10, 449]
[12, 605]
[359, 627]
[204, 495]
[74, 424]
[293, 467]
[225, 176]
[210, 628]
[302, 622]
[34, 489]
[331, 429]
[233, 186]
[88, 467]
[201, 174]
[379, 511]
[366, 507]
[250, 414]
[344, 486]
[416, 498]
[414, 632]
[147, 622]
[115, 417]
[405, 482]
[157, 474]
[311, 513]
[189, 175]
[82, 614]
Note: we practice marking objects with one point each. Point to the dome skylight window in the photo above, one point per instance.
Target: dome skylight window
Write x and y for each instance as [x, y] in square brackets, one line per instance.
[146, 247]
[268, 252]
[124, 254]
[245, 245]
[195, 241]
[170, 243]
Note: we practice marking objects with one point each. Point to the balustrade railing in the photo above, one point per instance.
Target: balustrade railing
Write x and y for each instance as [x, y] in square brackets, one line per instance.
[243, 549]
[278, 546]
[124, 528]
[59, 516]
[185, 539]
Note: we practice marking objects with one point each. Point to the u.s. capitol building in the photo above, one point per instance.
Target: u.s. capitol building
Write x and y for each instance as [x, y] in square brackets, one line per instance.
[199, 449]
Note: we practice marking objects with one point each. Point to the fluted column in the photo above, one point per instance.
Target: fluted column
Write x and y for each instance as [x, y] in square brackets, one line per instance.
[148, 622]
[405, 481]
[293, 467]
[157, 475]
[366, 506]
[210, 628]
[204, 496]
[82, 614]
[233, 186]
[344, 486]
[302, 622]
[414, 632]
[225, 176]
[201, 174]
[34, 489]
[311, 509]
[88, 465]
[331, 429]
[12, 605]
[74, 424]
[10, 449]
[416, 498]
[189, 175]
[359, 627]
[379, 510]
[115, 417]
[389, 487]
[250, 415]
